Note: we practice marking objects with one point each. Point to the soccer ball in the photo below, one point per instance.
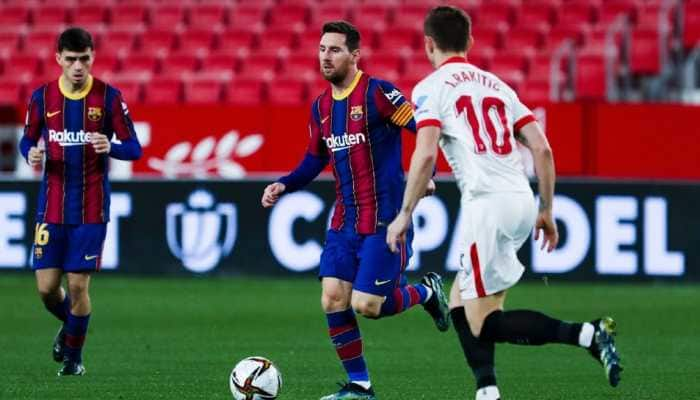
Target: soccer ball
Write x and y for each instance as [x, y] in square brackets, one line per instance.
[255, 378]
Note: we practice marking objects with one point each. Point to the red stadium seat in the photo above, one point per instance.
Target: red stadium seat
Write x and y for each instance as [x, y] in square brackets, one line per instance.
[511, 61]
[248, 15]
[511, 76]
[691, 33]
[493, 13]
[177, 65]
[560, 33]
[12, 92]
[401, 38]
[10, 42]
[130, 13]
[158, 42]
[145, 64]
[89, 14]
[470, 6]
[130, 89]
[201, 91]
[22, 67]
[416, 70]
[50, 15]
[612, 10]
[645, 51]
[590, 76]
[410, 17]
[117, 42]
[308, 43]
[489, 35]
[168, 16]
[329, 12]
[163, 91]
[305, 68]
[385, 65]
[293, 17]
[277, 38]
[258, 66]
[577, 13]
[526, 36]
[16, 15]
[538, 12]
[237, 38]
[197, 41]
[535, 91]
[42, 41]
[481, 56]
[245, 92]
[288, 92]
[104, 63]
[373, 14]
[208, 16]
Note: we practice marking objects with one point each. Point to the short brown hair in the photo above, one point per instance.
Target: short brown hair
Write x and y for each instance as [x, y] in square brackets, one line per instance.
[352, 35]
[449, 27]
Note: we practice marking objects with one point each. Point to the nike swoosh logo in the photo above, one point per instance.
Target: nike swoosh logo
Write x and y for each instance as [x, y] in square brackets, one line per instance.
[377, 282]
[51, 114]
[323, 121]
[88, 258]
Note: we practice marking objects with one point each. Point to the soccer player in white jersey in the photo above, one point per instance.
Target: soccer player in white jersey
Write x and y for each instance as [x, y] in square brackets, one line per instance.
[476, 119]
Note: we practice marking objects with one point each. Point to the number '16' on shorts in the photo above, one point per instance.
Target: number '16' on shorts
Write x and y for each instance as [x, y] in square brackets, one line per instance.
[72, 248]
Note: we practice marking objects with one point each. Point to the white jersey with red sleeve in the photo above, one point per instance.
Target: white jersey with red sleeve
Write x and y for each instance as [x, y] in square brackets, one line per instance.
[479, 116]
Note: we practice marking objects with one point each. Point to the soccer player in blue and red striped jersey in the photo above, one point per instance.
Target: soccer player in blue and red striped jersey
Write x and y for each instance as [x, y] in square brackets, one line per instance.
[76, 116]
[355, 125]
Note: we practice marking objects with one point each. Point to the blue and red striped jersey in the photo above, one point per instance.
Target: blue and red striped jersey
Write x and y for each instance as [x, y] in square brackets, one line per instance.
[359, 133]
[75, 186]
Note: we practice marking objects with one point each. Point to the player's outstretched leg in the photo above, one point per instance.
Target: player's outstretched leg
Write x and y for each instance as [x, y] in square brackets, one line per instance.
[345, 335]
[603, 349]
[437, 305]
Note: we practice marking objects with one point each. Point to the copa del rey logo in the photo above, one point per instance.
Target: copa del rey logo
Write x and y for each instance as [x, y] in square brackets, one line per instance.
[201, 232]
[209, 157]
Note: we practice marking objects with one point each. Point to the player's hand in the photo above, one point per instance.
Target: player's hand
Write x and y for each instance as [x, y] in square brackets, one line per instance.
[430, 188]
[396, 232]
[545, 223]
[100, 143]
[35, 156]
[272, 193]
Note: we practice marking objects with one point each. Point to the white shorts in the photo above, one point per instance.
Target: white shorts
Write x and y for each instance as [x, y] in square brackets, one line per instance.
[497, 226]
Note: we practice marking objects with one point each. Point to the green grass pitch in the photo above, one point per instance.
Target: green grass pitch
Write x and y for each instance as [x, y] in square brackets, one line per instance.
[179, 338]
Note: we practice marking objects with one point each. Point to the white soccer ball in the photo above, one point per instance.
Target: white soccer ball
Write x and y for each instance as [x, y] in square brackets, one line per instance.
[255, 378]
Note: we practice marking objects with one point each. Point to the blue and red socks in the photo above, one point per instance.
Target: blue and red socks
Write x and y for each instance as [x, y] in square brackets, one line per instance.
[403, 298]
[76, 330]
[61, 309]
[345, 335]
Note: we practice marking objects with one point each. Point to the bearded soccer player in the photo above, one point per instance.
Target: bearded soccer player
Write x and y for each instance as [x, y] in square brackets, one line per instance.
[355, 125]
[76, 116]
[476, 119]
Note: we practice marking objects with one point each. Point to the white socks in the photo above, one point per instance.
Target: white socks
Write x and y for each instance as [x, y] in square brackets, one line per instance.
[585, 338]
[365, 384]
[488, 393]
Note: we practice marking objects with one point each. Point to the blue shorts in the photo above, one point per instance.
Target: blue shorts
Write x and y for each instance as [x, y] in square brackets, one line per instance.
[72, 248]
[365, 260]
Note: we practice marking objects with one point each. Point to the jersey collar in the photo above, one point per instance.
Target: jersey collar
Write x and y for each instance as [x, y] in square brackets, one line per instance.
[63, 86]
[345, 93]
[455, 59]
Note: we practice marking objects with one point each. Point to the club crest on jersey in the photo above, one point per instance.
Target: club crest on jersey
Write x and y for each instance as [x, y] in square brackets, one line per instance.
[94, 113]
[356, 113]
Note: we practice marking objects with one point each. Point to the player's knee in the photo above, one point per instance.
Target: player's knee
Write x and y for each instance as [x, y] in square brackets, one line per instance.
[367, 308]
[78, 289]
[333, 301]
[48, 294]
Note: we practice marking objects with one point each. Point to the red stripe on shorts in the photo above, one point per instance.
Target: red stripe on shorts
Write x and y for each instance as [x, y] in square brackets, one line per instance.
[477, 271]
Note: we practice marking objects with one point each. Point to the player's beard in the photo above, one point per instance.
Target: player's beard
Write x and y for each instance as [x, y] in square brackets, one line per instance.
[337, 75]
